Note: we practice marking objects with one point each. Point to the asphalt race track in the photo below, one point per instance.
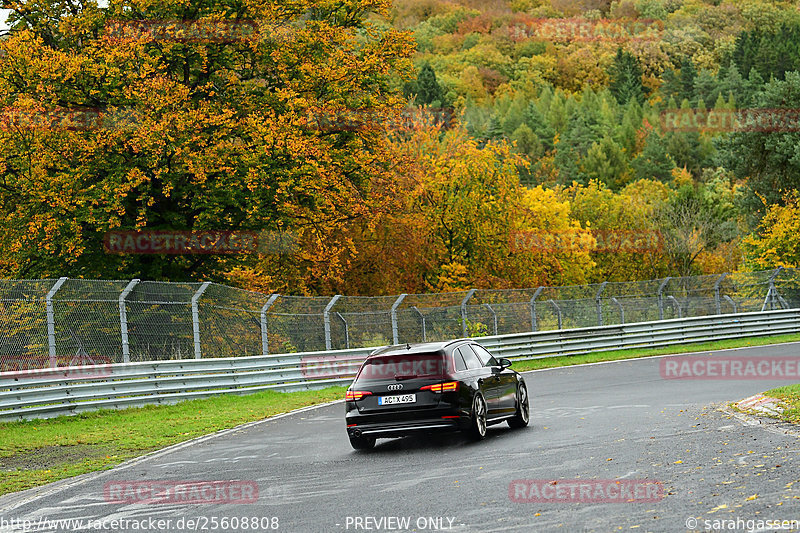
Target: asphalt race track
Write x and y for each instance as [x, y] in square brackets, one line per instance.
[614, 421]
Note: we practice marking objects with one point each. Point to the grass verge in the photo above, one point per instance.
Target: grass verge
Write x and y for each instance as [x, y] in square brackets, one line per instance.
[36, 452]
[636, 353]
[790, 395]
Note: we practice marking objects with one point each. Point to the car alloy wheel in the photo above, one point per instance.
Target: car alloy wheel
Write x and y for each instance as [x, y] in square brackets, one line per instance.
[478, 429]
[522, 416]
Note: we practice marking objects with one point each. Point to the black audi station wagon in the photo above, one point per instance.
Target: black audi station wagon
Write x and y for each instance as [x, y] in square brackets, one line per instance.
[454, 385]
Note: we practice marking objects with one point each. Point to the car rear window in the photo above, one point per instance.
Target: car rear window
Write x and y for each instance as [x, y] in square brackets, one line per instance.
[403, 366]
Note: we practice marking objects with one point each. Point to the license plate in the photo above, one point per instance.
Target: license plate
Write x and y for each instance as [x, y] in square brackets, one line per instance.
[392, 400]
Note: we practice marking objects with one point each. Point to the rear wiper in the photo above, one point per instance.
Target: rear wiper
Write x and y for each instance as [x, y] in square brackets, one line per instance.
[401, 378]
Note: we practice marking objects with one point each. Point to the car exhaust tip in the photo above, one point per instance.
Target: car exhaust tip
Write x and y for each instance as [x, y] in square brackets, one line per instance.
[357, 433]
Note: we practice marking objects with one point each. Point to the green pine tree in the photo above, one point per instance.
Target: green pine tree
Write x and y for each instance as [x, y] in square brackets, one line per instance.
[688, 75]
[426, 88]
[626, 78]
[605, 161]
[654, 162]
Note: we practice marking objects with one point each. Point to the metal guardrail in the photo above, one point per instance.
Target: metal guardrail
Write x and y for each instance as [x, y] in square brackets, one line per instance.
[44, 393]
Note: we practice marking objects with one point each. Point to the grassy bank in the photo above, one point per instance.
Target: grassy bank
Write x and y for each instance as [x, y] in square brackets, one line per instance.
[36, 452]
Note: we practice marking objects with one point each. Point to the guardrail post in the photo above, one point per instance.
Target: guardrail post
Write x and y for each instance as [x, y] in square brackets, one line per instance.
[346, 330]
[730, 301]
[424, 333]
[494, 315]
[558, 312]
[264, 336]
[196, 318]
[661, 297]
[716, 294]
[621, 310]
[395, 305]
[464, 312]
[123, 320]
[676, 304]
[51, 321]
[536, 294]
[597, 302]
[326, 319]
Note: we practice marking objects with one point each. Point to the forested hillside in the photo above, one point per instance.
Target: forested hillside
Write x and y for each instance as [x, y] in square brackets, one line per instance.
[407, 146]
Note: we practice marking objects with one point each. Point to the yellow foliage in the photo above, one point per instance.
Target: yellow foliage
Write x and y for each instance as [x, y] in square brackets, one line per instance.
[776, 241]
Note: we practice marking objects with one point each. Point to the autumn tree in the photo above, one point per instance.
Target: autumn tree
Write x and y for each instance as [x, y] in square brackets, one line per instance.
[693, 222]
[776, 242]
[627, 213]
[463, 215]
[263, 116]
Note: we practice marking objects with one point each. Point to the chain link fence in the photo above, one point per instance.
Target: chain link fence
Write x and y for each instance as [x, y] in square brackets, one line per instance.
[73, 322]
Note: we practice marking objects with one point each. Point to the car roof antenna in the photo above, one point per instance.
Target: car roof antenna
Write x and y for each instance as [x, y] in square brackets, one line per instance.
[408, 346]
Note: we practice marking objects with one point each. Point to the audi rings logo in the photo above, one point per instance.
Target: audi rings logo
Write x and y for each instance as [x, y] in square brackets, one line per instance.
[395, 387]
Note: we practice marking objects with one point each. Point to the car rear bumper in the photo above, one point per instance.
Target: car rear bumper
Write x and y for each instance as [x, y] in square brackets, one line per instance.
[398, 423]
[399, 429]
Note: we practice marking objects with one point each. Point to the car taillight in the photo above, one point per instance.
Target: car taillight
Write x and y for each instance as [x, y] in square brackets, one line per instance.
[356, 394]
[442, 387]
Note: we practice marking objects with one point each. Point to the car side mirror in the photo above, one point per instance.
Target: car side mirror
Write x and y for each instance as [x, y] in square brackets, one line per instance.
[504, 363]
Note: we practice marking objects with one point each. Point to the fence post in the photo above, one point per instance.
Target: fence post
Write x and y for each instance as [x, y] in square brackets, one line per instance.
[661, 297]
[264, 336]
[621, 309]
[494, 315]
[346, 331]
[558, 311]
[51, 322]
[424, 333]
[464, 312]
[395, 305]
[597, 302]
[326, 320]
[533, 307]
[196, 318]
[771, 291]
[716, 294]
[123, 320]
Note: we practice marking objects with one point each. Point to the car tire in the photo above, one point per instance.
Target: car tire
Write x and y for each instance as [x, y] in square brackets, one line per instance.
[362, 443]
[477, 425]
[522, 416]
